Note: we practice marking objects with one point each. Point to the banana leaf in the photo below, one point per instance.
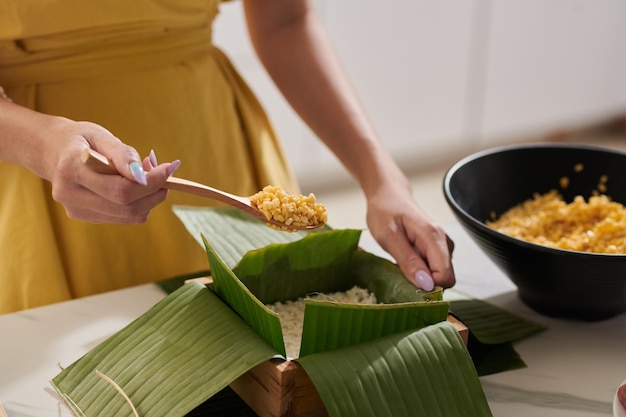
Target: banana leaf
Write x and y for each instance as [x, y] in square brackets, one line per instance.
[319, 262]
[492, 330]
[416, 373]
[440, 377]
[194, 343]
[168, 361]
[264, 321]
[492, 333]
[177, 381]
[404, 361]
[233, 233]
[322, 262]
[329, 325]
[387, 281]
[490, 324]
[491, 359]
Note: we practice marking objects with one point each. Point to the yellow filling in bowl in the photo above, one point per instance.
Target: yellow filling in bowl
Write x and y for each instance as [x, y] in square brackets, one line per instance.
[597, 225]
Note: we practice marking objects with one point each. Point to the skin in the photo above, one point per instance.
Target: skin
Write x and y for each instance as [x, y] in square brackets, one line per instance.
[51, 147]
[293, 47]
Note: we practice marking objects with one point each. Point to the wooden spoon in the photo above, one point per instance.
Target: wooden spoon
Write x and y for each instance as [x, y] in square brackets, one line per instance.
[100, 163]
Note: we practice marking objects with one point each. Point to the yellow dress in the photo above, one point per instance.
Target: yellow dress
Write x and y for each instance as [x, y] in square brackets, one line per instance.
[147, 71]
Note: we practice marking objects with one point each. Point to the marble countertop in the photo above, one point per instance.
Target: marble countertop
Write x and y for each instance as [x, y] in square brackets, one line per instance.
[573, 369]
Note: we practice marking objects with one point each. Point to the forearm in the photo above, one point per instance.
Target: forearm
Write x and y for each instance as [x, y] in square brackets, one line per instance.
[304, 66]
[22, 134]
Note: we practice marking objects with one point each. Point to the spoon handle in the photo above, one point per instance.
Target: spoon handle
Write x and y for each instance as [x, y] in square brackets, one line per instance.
[180, 184]
[99, 163]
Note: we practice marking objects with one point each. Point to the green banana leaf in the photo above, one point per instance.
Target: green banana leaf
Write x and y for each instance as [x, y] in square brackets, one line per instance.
[182, 354]
[176, 356]
[492, 330]
[416, 373]
[492, 333]
[490, 324]
[329, 325]
[321, 262]
[265, 322]
[429, 394]
[491, 359]
[168, 361]
[387, 281]
[233, 233]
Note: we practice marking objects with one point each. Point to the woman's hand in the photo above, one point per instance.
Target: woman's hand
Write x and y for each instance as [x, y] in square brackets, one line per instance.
[421, 248]
[99, 198]
[295, 50]
[51, 147]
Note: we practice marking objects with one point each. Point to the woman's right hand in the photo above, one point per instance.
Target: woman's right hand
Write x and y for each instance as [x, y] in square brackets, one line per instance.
[87, 195]
[51, 147]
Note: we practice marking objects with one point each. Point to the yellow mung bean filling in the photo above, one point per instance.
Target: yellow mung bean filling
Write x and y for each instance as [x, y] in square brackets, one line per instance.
[597, 225]
[293, 210]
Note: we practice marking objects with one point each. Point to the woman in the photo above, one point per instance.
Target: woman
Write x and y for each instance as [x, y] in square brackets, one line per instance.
[146, 72]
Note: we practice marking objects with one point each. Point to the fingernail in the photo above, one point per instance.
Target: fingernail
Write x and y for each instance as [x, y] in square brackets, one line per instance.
[138, 173]
[153, 158]
[173, 167]
[424, 281]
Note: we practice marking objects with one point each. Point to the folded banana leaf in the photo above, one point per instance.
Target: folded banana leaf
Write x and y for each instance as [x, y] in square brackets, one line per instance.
[182, 354]
[492, 333]
[195, 342]
[168, 361]
[415, 373]
[321, 262]
[233, 233]
[429, 394]
[492, 330]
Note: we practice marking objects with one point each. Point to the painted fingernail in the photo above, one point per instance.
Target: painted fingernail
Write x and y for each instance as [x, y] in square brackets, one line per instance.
[153, 158]
[424, 281]
[138, 173]
[173, 167]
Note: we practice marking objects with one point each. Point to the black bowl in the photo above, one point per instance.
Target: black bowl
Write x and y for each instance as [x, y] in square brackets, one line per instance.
[554, 282]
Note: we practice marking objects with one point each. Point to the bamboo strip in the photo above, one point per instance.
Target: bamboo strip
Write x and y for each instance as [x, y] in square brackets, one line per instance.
[118, 389]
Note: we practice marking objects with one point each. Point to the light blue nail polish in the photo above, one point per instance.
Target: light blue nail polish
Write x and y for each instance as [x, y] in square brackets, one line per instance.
[173, 167]
[424, 281]
[153, 158]
[138, 173]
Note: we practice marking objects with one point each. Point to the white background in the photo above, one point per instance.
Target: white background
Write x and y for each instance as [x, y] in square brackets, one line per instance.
[441, 78]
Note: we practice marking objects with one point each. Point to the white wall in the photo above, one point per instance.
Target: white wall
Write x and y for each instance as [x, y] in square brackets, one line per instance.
[553, 63]
[441, 78]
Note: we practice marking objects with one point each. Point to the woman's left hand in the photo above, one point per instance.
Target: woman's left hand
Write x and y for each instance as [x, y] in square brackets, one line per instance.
[421, 248]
